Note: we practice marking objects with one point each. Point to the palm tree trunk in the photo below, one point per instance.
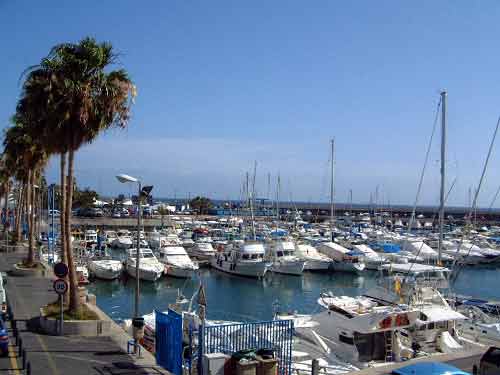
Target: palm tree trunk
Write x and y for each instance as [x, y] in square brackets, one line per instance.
[6, 208]
[74, 298]
[19, 212]
[29, 212]
[62, 209]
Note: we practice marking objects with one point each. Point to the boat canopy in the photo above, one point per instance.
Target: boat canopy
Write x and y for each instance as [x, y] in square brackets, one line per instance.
[252, 248]
[440, 314]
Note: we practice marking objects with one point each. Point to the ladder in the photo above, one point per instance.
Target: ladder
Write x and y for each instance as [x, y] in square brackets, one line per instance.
[388, 346]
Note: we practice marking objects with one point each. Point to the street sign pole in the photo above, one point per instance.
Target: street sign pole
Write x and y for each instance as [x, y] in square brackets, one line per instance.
[61, 322]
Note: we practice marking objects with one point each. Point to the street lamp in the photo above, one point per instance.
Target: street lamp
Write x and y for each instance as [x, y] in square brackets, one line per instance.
[123, 178]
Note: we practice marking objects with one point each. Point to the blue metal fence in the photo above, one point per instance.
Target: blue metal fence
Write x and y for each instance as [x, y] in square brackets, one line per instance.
[168, 341]
[230, 338]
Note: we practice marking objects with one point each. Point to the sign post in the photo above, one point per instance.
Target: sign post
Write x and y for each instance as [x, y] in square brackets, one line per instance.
[61, 287]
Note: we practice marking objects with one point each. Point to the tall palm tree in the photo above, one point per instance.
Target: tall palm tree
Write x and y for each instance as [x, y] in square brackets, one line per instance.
[82, 99]
[31, 158]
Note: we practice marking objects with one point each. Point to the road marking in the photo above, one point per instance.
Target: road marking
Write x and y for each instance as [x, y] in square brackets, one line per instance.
[13, 362]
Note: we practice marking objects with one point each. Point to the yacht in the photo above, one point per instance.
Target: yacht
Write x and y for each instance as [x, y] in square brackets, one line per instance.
[123, 240]
[110, 236]
[370, 258]
[480, 326]
[283, 259]
[90, 236]
[315, 261]
[344, 259]
[150, 269]
[202, 250]
[361, 329]
[106, 269]
[155, 239]
[177, 262]
[241, 258]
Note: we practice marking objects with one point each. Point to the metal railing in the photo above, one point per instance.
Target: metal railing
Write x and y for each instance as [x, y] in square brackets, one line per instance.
[276, 336]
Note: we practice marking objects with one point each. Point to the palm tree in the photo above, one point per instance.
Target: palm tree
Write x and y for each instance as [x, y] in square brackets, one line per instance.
[20, 143]
[81, 99]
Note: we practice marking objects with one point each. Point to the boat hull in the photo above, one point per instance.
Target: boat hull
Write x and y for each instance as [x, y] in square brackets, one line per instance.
[250, 269]
[317, 265]
[294, 268]
[144, 274]
[180, 272]
[356, 268]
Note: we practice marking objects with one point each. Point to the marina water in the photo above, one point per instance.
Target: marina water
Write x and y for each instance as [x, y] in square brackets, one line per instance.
[242, 299]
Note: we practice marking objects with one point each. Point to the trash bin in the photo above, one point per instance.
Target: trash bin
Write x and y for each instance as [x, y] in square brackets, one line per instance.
[266, 366]
[138, 328]
[246, 367]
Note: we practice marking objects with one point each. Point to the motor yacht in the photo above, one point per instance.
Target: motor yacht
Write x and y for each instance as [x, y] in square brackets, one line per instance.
[241, 258]
[202, 250]
[177, 262]
[315, 261]
[106, 269]
[150, 269]
[123, 240]
[344, 259]
[281, 254]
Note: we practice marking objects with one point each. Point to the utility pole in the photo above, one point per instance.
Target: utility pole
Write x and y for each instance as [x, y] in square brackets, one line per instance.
[443, 174]
[332, 184]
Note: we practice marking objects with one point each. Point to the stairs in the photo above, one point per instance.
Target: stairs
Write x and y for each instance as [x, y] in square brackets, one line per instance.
[388, 346]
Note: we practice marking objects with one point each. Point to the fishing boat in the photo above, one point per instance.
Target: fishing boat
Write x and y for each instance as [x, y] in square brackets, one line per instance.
[283, 260]
[345, 260]
[241, 258]
[150, 269]
[106, 269]
[177, 262]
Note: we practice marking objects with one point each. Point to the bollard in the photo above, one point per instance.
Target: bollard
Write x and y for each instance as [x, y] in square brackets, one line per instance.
[28, 368]
[315, 367]
[24, 358]
[20, 347]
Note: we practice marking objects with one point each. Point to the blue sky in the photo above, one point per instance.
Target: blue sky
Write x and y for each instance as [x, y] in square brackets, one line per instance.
[224, 83]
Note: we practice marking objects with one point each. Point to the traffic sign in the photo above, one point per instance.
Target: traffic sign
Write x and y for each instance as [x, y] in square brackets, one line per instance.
[60, 286]
[60, 270]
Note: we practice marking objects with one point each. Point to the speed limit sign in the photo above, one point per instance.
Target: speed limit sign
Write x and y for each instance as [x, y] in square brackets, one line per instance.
[60, 286]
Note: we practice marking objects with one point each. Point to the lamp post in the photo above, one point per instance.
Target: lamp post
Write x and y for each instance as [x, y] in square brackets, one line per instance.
[123, 178]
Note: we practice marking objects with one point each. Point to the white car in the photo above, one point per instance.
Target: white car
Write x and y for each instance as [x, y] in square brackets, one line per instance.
[56, 213]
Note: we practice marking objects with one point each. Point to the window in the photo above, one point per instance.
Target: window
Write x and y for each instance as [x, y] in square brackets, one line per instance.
[245, 256]
[346, 340]
[279, 253]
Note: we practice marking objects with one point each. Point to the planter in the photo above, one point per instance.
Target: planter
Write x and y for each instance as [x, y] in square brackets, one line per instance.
[86, 328]
[22, 271]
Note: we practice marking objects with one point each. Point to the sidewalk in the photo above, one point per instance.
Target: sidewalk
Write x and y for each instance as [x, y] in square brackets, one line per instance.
[62, 355]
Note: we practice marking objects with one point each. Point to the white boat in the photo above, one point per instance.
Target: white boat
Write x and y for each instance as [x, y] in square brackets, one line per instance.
[110, 236]
[479, 326]
[91, 236]
[370, 258]
[150, 269]
[315, 261]
[360, 330]
[155, 239]
[123, 240]
[241, 258]
[202, 250]
[106, 269]
[177, 262]
[344, 259]
[283, 259]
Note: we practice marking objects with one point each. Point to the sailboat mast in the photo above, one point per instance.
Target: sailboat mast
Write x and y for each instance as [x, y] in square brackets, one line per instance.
[443, 174]
[278, 200]
[332, 185]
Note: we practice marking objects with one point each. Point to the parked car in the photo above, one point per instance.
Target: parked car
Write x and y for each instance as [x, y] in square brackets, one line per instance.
[90, 212]
[3, 297]
[429, 368]
[56, 213]
[116, 214]
[4, 339]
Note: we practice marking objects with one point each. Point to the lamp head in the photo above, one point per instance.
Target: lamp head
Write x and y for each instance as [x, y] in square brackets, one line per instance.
[124, 178]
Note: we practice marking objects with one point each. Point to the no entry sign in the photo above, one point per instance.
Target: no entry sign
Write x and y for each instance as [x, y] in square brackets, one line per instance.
[60, 270]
